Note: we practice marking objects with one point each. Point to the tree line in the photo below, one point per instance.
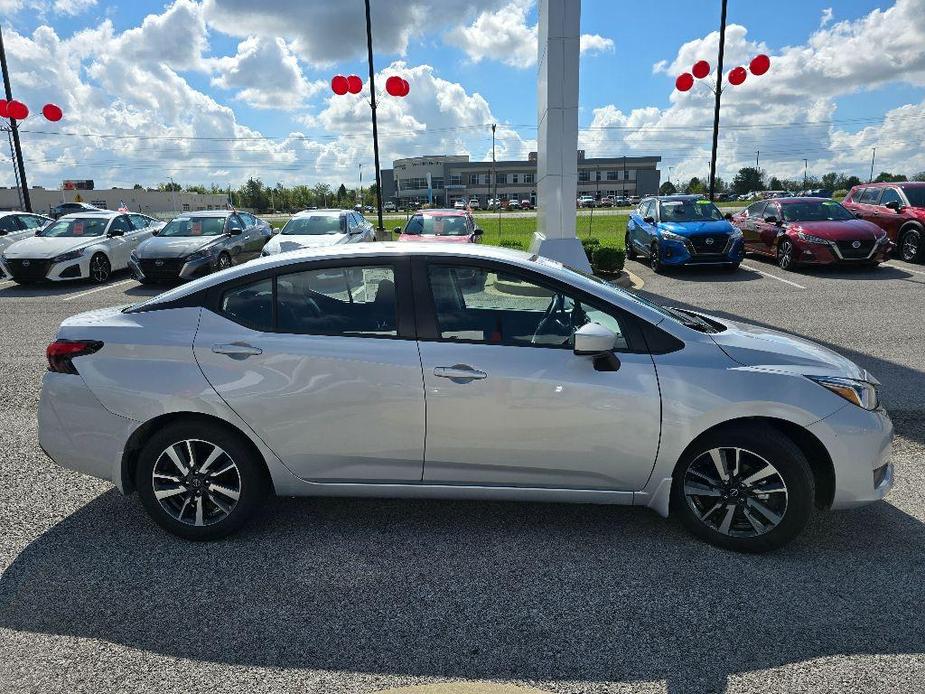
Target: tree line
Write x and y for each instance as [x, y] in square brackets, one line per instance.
[750, 179]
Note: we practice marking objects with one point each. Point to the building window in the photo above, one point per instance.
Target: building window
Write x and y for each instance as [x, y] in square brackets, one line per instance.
[584, 176]
[502, 179]
[529, 178]
[473, 179]
[455, 180]
[612, 176]
[436, 183]
[515, 178]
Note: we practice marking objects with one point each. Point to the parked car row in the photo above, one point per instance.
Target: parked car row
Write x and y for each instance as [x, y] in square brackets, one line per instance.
[875, 221]
[588, 201]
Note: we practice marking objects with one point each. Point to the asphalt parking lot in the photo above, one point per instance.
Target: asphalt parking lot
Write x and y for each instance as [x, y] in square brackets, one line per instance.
[367, 595]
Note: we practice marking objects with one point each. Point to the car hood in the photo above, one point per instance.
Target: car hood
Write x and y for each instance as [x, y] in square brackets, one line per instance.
[752, 345]
[720, 226]
[295, 242]
[433, 238]
[174, 246]
[42, 247]
[845, 230]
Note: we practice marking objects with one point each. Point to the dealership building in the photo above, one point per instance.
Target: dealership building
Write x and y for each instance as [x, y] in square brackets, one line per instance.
[152, 202]
[454, 177]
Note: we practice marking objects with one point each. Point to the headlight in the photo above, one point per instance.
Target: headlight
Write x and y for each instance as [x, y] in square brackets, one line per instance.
[860, 393]
[204, 254]
[809, 238]
[671, 236]
[70, 255]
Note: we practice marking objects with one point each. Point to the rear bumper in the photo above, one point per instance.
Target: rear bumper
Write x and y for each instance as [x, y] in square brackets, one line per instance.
[77, 432]
[860, 444]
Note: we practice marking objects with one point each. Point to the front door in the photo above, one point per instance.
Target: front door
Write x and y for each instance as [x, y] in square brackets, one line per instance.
[320, 368]
[510, 404]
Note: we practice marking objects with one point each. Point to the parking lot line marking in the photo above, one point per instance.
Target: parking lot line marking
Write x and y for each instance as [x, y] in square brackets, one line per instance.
[773, 277]
[98, 289]
[905, 269]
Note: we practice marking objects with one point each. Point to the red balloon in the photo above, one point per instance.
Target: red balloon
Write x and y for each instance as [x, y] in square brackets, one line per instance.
[339, 85]
[354, 84]
[684, 82]
[760, 64]
[737, 75]
[701, 69]
[52, 112]
[4, 112]
[18, 110]
[406, 88]
[394, 86]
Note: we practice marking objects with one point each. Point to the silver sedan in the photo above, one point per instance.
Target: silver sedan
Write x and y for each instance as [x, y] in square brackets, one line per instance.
[324, 372]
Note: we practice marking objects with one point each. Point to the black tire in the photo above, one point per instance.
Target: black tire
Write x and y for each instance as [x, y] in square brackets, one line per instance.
[224, 262]
[910, 245]
[630, 248]
[732, 267]
[785, 259]
[100, 269]
[758, 442]
[655, 259]
[249, 479]
[24, 283]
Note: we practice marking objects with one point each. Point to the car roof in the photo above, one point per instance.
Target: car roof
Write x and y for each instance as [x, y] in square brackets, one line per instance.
[443, 212]
[206, 213]
[804, 198]
[670, 198]
[328, 211]
[104, 214]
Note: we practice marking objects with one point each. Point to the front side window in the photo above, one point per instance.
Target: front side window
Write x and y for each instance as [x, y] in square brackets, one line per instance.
[869, 197]
[121, 224]
[78, 228]
[482, 305]
[755, 209]
[915, 195]
[250, 305]
[194, 226]
[139, 221]
[357, 300]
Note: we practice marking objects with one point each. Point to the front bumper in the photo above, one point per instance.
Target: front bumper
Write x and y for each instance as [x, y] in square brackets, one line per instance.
[860, 443]
[730, 251]
[831, 253]
[170, 269]
[39, 269]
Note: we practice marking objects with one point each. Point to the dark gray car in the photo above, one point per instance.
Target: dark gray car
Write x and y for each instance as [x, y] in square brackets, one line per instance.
[197, 243]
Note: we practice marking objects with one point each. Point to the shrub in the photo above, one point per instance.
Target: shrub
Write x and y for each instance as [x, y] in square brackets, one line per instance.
[590, 243]
[512, 243]
[608, 259]
[840, 195]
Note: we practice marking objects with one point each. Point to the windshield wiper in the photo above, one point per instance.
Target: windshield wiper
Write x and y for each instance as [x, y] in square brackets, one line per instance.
[692, 320]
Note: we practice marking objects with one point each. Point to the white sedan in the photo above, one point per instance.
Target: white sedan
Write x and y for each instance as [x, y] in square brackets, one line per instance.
[85, 245]
[317, 228]
[16, 226]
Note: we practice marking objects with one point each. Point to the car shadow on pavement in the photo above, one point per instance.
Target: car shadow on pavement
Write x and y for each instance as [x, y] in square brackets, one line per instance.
[705, 273]
[46, 288]
[845, 272]
[475, 590]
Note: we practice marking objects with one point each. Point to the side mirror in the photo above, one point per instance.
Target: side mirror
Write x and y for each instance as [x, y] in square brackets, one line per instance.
[728, 216]
[593, 339]
[396, 230]
[649, 220]
[235, 231]
[155, 232]
[3, 232]
[858, 215]
[478, 232]
[894, 205]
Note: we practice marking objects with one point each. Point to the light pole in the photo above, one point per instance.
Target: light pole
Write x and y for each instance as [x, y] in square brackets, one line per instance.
[361, 186]
[805, 171]
[173, 194]
[372, 104]
[719, 94]
[873, 156]
[14, 131]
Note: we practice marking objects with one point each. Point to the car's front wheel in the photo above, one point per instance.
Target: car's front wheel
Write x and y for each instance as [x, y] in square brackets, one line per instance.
[744, 488]
[910, 245]
[199, 481]
[655, 258]
[100, 268]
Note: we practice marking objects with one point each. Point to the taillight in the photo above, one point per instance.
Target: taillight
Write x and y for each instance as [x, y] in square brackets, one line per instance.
[60, 353]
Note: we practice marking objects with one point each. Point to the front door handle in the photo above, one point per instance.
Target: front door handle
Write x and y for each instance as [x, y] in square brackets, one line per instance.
[237, 350]
[459, 373]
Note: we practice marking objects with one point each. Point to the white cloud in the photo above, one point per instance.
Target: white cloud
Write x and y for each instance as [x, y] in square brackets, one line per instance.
[594, 44]
[73, 7]
[827, 15]
[502, 35]
[267, 74]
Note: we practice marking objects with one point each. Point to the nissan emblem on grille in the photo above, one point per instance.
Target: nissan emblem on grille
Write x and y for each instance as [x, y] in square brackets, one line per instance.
[158, 262]
[26, 263]
[709, 242]
[856, 244]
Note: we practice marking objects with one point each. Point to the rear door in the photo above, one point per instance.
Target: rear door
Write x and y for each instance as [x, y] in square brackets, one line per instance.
[509, 403]
[322, 363]
[122, 243]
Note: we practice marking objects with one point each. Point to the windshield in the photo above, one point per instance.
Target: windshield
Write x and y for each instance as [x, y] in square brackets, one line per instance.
[688, 211]
[194, 226]
[90, 226]
[444, 225]
[815, 211]
[916, 195]
[315, 225]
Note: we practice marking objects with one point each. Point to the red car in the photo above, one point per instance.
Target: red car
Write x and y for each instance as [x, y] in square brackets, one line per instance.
[898, 209]
[811, 231]
[526, 205]
[453, 226]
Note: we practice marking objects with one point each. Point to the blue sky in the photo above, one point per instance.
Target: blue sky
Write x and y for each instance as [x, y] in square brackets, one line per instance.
[222, 68]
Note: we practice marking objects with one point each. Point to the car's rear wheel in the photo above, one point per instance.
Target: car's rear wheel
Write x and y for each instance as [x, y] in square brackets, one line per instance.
[785, 259]
[910, 245]
[100, 268]
[630, 248]
[744, 488]
[199, 481]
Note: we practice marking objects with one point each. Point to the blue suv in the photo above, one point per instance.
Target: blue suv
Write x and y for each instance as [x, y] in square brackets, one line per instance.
[679, 230]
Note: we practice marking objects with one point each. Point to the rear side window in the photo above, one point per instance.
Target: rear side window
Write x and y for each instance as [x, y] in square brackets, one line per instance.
[357, 300]
[890, 195]
[870, 195]
[250, 305]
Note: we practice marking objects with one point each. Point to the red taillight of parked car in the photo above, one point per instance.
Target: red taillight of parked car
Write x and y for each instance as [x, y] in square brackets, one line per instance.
[61, 352]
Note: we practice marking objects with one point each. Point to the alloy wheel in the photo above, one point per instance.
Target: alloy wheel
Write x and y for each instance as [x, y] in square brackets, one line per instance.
[100, 268]
[735, 492]
[912, 241]
[196, 482]
[785, 255]
[224, 262]
[655, 258]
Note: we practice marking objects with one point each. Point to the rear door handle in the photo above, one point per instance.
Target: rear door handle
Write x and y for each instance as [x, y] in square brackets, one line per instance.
[237, 350]
[459, 373]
